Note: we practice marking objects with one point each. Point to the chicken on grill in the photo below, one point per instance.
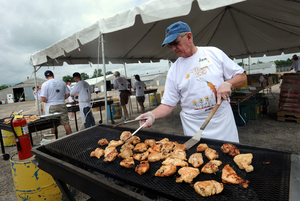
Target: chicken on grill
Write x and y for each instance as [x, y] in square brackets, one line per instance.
[133, 140]
[127, 153]
[103, 142]
[155, 148]
[150, 142]
[211, 154]
[211, 167]
[230, 176]
[187, 174]
[163, 141]
[115, 143]
[127, 162]
[166, 171]
[179, 146]
[141, 156]
[175, 161]
[126, 146]
[110, 149]
[208, 188]
[178, 153]
[202, 147]
[125, 135]
[142, 167]
[140, 147]
[167, 147]
[244, 161]
[97, 153]
[157, 156]
[196, 160]
[111, 157]
[230, 148]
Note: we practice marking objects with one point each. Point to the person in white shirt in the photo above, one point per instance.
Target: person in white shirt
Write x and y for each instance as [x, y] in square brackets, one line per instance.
[84, 90]
[96, 91]
[199, 79]
[296, 63]
[70, 99]
[121, 84]
[53, 93]
[37, 96]
[139, 86]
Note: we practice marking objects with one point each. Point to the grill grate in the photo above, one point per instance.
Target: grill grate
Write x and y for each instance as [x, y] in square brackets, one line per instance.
[267, 181]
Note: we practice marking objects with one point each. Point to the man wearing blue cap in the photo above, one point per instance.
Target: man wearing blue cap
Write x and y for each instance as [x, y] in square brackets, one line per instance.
[199, 79]
[53, 93]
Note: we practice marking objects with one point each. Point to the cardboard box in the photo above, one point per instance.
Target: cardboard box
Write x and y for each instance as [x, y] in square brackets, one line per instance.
[270, 80]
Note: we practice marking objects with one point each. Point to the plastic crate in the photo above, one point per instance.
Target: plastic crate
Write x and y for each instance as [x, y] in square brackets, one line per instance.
[255, 108]
[244, 111]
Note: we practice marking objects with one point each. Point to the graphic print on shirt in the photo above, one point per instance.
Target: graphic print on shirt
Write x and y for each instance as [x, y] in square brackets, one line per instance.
[207, 90]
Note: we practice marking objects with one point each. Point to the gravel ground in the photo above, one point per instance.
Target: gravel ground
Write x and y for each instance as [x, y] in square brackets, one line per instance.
[265, 132]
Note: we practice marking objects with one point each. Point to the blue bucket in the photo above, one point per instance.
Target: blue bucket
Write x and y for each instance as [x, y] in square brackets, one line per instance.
[116, 111]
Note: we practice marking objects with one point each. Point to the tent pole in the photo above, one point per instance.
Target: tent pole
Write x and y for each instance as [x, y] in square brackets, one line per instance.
[37, 98]
[249, 62]
[104, 76]
[129, 104]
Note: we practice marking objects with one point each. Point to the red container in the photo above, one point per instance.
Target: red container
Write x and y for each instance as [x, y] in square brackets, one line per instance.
[25, 143]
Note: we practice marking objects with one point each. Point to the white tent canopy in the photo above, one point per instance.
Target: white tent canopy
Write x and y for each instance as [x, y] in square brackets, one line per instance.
[240, 28]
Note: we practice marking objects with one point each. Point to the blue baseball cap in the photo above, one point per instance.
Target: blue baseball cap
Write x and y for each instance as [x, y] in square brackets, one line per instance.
[48, 73]
[173, 31]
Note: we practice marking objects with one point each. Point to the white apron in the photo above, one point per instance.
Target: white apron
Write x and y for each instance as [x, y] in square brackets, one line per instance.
[221, 127]
[82, 105]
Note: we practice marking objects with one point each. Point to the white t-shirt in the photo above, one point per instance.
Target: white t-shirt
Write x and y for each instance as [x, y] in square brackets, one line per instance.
[96, 89]
[195, 81]
[38, 93]
[84, 90]
[296, 65]
[54, 90]
[139, 86]
[70, 97]
[121, 83]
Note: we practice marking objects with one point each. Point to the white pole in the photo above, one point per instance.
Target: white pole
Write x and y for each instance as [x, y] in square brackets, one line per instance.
[249, 62]
[37, 97]
[104, 76]
[129, 104]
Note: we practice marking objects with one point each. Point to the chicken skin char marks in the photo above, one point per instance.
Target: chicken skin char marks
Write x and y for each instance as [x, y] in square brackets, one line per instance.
[150, 142]
[127, 153]
[211, 154]
[208, 188]
[167, 147]
[140, 147]
[211, 167]
[230, 176]
[187, 174]
[142, 167]
[196, 160]
[141, 156]
[126, 146]
[175, 161]
[133, 140]
[125, 135]
[178, 153]
[166, 171]
[244, 161]
[103, 142]
[230, 148]
[157, 156]
[128, 163]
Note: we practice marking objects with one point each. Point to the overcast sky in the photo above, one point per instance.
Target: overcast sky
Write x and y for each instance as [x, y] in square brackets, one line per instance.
[28, 26]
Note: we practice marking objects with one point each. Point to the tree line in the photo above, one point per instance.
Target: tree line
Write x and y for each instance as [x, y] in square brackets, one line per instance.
[279, 63]
[85, 76]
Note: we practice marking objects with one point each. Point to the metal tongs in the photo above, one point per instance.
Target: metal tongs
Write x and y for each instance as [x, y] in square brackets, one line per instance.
[131, 121]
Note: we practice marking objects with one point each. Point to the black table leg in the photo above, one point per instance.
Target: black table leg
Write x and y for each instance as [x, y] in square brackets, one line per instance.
[76, 121]
[100, 122]
[31, 138]
[5, 156]
[55, 130]
[64, 189]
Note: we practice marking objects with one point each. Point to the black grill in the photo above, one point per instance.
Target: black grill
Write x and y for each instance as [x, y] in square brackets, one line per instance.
[267, 181]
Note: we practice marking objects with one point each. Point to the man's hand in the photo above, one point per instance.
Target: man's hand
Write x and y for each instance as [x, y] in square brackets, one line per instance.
[224, 91]
[149, 121]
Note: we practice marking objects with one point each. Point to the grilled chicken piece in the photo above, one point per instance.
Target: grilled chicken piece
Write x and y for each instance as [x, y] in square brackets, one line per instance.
[97, 153]
[202, 147]
[208, 188]
[111, 157]
[178, 153]
[150, 142]
[230, 176]
[133, 140]
[187, 174]
[142, 167]
[103, 142]
[155, 148]
[167, 147]
[127, 162]
[142, 156]
[157, 156]
[125, 135]
[166, 171]
[140, 147]
[211, 167]
[196, 160]
[175, 161]
[179, 146]
[126, 146]
[127, 153]
[109, 149]
[211, 154]
[244, 161]
[115, 143]
[163, 141]
[230, 148]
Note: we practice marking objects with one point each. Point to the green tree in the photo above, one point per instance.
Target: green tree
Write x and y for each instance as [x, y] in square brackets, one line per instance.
[97, 73]
[283, 63]
[84, 76]
[240, 63]
[65, 78]
[4, 86]
[108, 73]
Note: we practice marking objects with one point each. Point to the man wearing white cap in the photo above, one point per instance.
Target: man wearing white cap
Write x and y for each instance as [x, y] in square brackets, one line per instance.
[199, 79]
[296, 63]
